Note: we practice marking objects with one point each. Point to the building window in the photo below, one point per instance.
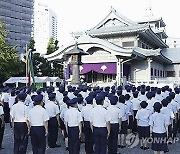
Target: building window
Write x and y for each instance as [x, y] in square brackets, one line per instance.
[170, 73]
[152, 73]
[158, 73]
[155, 72]
[128, 44]
[161, 75]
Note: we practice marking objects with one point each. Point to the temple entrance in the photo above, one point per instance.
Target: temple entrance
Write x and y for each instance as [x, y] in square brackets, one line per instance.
[92, 77]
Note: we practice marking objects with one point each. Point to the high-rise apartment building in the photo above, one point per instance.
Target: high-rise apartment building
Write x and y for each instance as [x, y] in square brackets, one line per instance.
[18, 18]
[45, 27]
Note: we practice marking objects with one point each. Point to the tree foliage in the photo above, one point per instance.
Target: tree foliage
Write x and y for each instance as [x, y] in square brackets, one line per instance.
[10, 64]
[52, 46]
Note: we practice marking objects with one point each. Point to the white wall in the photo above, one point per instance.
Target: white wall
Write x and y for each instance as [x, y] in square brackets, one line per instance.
[139, 71]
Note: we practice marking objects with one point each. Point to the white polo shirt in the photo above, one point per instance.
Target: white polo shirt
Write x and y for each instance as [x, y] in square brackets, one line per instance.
[52, 109]
[168, 113]
[114, 114]
[158, 121]
[72, 117]
[142, 117]
[135, 104]
[19, 112]
[86, 112]
[37, 116]
[98, 116]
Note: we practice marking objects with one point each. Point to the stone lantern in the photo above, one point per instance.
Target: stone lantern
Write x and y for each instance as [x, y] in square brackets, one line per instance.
[76, 54]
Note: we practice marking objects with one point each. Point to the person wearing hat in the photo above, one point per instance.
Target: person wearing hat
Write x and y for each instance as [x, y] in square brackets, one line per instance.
[19, 117]
[1, 125]
[114, 114]
[169, 115]
[159, 128]
[124, 126]
[73, 122]
[142, 117]
[86, 121]
[38, 120]
[54, 122]
[100, 125]
[143, 97]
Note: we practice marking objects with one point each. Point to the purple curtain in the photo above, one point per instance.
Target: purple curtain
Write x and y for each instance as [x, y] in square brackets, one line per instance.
[103, 68]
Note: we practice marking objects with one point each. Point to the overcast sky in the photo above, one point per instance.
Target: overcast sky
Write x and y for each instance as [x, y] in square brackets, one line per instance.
[79, 15]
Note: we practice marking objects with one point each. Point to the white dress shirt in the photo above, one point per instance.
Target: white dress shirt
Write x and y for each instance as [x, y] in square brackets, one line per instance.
[168, 113]
[11, 101]
[114, 114]
[135, 104]
[142, 117]
[37, 116]
[158, 121]
[72, 117]
[52, 109]
[98, 116]
[19, 112]
[86, 112]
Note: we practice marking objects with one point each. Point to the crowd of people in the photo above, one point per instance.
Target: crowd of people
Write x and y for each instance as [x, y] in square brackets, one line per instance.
[99, 116]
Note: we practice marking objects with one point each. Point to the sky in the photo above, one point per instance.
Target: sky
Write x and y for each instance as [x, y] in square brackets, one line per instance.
[80, 15]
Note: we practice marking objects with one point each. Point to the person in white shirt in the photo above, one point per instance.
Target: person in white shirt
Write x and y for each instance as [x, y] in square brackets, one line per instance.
[115, 115]
[87, 128]
[143, 97]
[135, 106]
[169, 115]
[59, 95]
[12, 99]
[142, 117]
[2, 125]
[100, 125]
[129, 111]
[38, 120]
[63, 108]
[5, 100]
[124, 117]
[73, 122]
[54, 122]
[159, 128]
[20, 125]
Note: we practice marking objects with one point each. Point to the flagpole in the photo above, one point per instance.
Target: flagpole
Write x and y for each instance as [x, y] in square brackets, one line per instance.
[26, 65]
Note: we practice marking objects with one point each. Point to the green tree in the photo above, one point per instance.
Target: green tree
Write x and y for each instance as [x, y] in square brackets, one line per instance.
[10, 64]
[52, 46]
[32, 44]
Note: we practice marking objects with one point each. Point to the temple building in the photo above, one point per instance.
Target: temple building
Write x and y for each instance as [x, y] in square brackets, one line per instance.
[121, 50]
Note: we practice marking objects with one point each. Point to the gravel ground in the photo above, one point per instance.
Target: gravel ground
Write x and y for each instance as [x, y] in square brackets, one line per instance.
[8, 146]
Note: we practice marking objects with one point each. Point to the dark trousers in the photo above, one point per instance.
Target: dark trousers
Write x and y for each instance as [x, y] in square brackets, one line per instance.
[134, 129]
[6, 112]
[20, 137]
[38, 139]
[88, 137]
[73, 140]
[1, 133]
[52, 132]
[113, 139]
[100, 139]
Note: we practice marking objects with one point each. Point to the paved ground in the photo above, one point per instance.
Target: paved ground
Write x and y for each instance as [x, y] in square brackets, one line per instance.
[8, 145]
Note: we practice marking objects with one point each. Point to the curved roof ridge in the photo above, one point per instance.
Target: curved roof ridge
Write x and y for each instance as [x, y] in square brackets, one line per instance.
[114, 13]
